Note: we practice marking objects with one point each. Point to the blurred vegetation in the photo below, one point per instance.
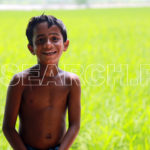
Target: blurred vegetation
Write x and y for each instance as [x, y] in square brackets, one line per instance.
[67, 1]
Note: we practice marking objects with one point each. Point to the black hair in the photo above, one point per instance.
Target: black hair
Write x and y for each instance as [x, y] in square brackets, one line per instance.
[51, 20]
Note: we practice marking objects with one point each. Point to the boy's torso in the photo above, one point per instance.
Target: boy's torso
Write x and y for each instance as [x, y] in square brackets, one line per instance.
[42, 111]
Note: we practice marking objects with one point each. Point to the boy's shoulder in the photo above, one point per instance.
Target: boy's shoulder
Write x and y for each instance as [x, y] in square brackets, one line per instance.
[71, 75]
[71, 78]
[21, 77]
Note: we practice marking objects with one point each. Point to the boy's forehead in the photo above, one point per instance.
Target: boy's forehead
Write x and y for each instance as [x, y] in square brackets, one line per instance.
[42, 28]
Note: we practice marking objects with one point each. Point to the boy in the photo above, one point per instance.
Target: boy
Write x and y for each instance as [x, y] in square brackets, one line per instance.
[40, 95]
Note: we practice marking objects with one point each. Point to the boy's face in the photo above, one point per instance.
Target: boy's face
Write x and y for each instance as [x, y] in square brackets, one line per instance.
[48, 43]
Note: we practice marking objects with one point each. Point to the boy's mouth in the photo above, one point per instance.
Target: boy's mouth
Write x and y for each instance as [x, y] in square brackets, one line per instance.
[49, 53]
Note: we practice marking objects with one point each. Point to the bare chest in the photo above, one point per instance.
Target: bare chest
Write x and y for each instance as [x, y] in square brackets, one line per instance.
[38, 97]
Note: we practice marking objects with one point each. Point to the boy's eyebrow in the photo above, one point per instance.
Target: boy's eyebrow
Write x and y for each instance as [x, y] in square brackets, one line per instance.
[54, 33]
[40, 35]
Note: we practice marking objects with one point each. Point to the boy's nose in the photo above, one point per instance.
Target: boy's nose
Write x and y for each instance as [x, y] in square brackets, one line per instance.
[48, 44]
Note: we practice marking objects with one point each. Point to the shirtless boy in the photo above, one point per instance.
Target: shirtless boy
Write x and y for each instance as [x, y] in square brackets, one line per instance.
[41, 94]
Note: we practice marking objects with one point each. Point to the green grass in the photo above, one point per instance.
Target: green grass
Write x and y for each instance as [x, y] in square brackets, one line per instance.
[114, 116]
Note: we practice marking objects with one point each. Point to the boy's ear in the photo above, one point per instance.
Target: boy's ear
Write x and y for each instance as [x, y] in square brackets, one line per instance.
[30, 47]
[66, 44]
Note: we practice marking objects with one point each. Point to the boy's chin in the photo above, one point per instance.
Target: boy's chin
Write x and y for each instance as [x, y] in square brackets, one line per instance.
[49, 63]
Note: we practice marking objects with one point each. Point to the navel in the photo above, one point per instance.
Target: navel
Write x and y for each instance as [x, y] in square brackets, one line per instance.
[31, 101]
[48, 136]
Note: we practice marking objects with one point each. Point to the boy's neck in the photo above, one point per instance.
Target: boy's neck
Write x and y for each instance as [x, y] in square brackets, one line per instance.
[50, 70]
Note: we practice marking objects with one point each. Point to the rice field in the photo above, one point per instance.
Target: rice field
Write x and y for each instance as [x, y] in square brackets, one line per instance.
[110, 51]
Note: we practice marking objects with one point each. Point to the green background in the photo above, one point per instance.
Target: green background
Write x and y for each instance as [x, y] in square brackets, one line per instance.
[110, 51]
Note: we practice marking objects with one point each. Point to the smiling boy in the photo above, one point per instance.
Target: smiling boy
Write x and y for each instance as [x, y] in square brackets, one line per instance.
[41, 94]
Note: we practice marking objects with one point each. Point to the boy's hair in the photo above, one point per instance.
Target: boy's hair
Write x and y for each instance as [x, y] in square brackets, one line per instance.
[51, 20]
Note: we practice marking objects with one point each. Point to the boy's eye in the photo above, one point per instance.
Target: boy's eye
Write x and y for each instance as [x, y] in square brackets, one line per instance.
[41, 41]
[55, 39]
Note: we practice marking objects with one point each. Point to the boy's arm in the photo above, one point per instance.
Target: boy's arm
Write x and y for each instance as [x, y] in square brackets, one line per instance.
[74, 109]
[13, 101]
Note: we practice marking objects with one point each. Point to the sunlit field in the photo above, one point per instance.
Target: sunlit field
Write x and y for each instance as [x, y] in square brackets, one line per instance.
[110, 51]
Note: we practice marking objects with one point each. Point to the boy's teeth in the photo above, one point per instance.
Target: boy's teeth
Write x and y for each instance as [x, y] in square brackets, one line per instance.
[49, 53]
